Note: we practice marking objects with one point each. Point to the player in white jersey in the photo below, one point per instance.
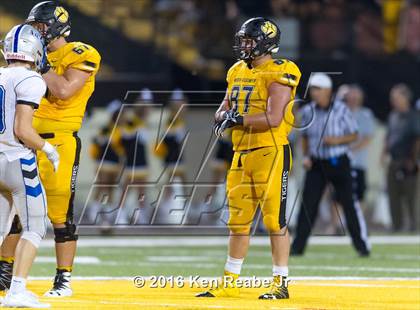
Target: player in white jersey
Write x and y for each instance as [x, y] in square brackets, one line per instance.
[21, 191]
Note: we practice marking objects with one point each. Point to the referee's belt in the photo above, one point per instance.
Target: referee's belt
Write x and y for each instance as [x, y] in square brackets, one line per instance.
[334, 161]
[51, 135]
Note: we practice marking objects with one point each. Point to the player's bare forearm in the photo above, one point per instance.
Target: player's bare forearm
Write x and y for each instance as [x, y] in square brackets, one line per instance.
[67, 85]
[261, 121]
[23, 127]
[278, 97]
[224, 106]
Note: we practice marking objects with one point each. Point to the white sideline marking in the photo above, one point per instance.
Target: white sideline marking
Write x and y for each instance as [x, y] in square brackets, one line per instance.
[170, 241]
[211, 254]
[153, 262]
[178, 258]
[84, 260]
[342, 268]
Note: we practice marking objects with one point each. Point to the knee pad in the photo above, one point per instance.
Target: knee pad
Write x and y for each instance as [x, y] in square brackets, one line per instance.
[65, 234]
[271, 223]
[32, 237]
[16, 227]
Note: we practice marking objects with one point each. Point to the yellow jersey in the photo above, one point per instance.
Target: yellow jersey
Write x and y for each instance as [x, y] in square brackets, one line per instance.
[248, 93]
[55, 114]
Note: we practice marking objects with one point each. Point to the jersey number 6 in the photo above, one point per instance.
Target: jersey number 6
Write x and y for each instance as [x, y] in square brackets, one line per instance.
[80, 49]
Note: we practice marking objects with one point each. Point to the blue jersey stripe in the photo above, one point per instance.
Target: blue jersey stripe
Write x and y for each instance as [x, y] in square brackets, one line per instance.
[28, 161]
[16, 38]
[33, 191]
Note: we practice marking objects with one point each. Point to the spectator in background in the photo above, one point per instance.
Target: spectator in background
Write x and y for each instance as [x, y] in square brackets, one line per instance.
[328, 33]
[359, 149]
[170, 146]
[410, 28]
[135, 137]
[368, 33]
[402, 145]
[108, 154]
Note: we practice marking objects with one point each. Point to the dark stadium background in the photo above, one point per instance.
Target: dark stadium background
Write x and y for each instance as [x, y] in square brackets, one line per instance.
[170, 43]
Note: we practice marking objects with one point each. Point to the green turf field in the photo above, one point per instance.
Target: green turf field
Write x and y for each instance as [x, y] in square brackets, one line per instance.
[392, 260]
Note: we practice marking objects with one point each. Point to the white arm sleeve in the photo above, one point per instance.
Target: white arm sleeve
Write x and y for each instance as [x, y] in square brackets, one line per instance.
[30, 90]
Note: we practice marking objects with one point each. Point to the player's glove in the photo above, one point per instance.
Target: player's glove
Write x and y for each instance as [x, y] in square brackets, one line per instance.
[52, 154]
[230, 119]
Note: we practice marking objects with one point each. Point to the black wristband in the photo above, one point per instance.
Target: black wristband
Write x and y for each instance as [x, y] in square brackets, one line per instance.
[239, 120]
[45, 69]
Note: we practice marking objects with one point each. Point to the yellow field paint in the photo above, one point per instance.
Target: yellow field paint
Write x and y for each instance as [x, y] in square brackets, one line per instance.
[305, 294]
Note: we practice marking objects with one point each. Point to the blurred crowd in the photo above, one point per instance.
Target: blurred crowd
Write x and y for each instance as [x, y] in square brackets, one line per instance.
[330, 27]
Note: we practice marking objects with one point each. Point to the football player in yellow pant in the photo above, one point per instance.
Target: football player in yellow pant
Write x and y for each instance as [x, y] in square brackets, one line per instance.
[70, 76]
[258, 107]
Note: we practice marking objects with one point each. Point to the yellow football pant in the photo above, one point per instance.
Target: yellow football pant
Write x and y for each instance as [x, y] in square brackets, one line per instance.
[60, 186]
[258, 178]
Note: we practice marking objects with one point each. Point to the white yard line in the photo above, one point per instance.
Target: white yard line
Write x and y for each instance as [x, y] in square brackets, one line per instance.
[180, 258]
[170, 241]
[83, 260]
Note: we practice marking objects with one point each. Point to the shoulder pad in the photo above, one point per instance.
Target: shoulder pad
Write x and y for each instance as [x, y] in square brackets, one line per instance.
[83, 57]
[285, 72]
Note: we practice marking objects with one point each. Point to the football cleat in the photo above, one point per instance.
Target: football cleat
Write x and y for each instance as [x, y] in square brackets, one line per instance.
[278, 289]
[61, 286]
[6, 270]
[225, 288]
[25, 299]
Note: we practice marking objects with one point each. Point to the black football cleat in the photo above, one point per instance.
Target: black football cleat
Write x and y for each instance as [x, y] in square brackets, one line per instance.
[205, 294]
[278, 289]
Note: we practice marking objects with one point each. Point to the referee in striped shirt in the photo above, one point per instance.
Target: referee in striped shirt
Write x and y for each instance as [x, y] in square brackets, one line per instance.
[330, 130]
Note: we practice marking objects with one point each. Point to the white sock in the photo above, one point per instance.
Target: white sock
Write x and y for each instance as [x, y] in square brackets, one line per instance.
[234, 265]
[282, 271]
[18, 285]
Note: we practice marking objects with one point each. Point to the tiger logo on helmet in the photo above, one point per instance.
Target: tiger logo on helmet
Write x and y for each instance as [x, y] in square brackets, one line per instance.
[269, 29]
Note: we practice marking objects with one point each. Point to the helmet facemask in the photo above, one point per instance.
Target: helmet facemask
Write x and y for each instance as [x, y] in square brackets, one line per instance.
[245, 47]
